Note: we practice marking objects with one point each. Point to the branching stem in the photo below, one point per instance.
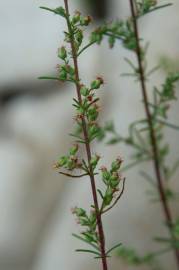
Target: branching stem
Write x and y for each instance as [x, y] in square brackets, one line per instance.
[87, 143]
[161, 190]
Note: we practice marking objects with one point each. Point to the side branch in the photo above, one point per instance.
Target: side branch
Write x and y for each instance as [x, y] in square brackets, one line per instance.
[73, 176]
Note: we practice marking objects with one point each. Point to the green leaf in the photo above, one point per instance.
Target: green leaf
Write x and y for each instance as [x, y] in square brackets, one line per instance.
[161, 6]
[167, 124]
[48, 78]
[48, 9]
[130, 256]
[88, 251]
[114, 247]
[114, 140]
[100, 193]
[75, 136]
[84, 240]
[163, 239]
[59, 11]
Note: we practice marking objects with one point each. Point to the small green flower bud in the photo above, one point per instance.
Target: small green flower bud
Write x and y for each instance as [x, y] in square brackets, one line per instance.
[108, 196]
[74, 150]
[105, 174]
[115, 166]
[97, 83]
[62, 75]
[80, 212]
[114, 184]
[76, 17]
[85, 21]
[62, 161]
[62, 53]
[93, 130]
[84, 91]
[114, 176]
[97, 35]
[114, 180]
[60, 11]
[70, 70]
[80, 111]
[70, 164]
[92, 110]
[92, 114]
[94, 161]
[79, 36]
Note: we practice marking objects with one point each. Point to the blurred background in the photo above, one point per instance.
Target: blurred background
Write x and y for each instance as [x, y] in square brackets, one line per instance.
[35, 118]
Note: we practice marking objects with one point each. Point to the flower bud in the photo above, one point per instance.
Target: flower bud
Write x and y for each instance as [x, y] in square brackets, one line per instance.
[79, 36]
[115, 166]
[62, 53]
[76, 17]
[108, 196]
[94, 161]
[92, 114]
[114, 176]
[62, 161]
[85, 21]
[62, 75]
[90, 98]
[70, 164]
[97, 35]
[60, 11]
[70, 70]
[93, 130]
[97, 83]
[79, 212]
[84, 91]
[105, 174]
[74, 149]
[114, 180]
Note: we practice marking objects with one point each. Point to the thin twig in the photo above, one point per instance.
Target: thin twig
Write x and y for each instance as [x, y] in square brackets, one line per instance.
[85, 47]
[73, 176]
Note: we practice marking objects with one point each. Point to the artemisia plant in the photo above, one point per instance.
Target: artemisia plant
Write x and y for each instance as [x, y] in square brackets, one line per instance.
[86, 114]
[146, 135]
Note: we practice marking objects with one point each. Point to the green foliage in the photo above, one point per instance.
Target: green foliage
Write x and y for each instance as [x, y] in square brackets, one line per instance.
[130, 256]
[86, 115]
[139, 138]
[146, 135]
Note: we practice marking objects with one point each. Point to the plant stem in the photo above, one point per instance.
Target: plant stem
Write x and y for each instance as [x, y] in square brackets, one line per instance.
[161, 189]
[87, 143]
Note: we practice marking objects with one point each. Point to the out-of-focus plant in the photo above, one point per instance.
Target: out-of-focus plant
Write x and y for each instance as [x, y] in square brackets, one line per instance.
[146, 135]
[86, 114]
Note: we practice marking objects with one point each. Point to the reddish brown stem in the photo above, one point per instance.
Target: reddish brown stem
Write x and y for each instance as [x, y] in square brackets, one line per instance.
[161, 189]
[87, 145]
